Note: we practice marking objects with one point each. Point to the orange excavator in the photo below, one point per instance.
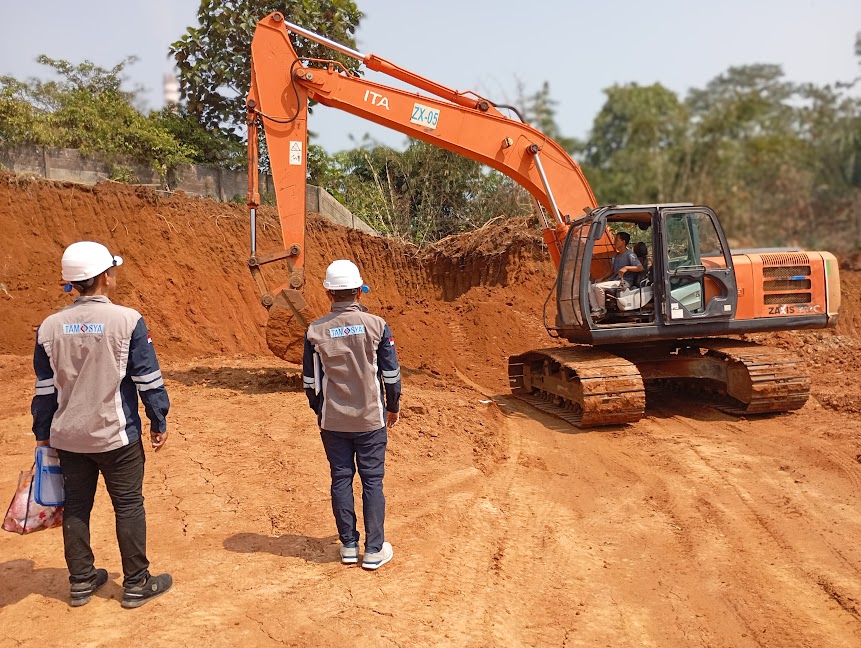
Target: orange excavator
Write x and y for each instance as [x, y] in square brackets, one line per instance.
[658, 325]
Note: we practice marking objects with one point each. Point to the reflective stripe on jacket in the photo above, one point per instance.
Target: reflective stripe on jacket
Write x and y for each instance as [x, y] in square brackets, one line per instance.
[350, 369]
[91, 360]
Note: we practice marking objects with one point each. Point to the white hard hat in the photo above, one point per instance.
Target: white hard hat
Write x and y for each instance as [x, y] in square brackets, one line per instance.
[342, 275]
[85, 259]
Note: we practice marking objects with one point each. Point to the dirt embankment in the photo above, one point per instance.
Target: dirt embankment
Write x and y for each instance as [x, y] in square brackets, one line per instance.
[465, 303]
[183, 263]
[185, 269]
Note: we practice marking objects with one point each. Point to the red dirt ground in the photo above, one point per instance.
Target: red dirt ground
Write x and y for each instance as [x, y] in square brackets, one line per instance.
[689, 528]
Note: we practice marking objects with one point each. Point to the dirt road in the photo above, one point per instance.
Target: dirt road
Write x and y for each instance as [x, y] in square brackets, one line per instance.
[510, 528]
[690, 528]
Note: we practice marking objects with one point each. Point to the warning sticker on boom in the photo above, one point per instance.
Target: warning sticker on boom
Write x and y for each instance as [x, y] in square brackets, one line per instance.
[295, 152]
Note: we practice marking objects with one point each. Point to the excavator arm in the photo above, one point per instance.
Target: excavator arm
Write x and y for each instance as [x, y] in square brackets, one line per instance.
[282, 84]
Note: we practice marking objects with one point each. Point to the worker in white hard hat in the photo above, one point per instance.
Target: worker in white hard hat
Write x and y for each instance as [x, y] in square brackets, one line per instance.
[352, 379]
[92, 360]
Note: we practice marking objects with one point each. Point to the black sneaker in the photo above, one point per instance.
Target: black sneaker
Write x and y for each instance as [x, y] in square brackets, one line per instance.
[152, 587]
[81, 593]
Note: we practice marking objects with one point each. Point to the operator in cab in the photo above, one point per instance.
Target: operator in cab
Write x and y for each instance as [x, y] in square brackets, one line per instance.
[626, 268]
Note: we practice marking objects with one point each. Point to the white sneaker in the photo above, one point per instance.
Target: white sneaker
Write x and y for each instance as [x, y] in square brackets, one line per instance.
[379, 558]
[349, 555]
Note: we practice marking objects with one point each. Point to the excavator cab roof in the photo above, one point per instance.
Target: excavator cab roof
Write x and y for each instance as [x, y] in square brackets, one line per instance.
[640, 214]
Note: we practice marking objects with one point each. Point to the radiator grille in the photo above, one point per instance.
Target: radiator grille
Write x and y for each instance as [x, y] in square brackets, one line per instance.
[786, 284]
[788, 298]
[786, 259]
[785, 272]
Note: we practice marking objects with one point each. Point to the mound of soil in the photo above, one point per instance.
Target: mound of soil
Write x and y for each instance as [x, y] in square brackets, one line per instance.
[466, 302]
[184, 263]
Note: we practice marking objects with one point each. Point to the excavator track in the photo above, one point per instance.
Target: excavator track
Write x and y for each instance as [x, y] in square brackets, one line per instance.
[582, 385]
[588, 387]
[762, 379]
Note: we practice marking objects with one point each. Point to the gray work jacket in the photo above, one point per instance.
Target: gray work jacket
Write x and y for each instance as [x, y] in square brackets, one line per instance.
[91, 360]
[350, 369]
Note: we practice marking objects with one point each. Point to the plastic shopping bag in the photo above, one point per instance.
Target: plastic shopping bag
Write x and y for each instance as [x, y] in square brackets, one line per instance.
[25, 515]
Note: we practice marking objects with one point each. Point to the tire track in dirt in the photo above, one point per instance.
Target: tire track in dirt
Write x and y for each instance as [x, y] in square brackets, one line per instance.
[785, 555]
[499, 530]
[468, 541]
[540, 546]
[622, 586]
[704, 529]
[674, 486]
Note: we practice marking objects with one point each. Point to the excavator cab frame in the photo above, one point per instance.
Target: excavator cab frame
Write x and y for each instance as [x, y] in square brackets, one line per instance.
[691, 277]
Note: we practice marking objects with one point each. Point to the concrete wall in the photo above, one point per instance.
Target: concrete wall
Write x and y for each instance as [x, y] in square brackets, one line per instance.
[219, 184]
[320, 201]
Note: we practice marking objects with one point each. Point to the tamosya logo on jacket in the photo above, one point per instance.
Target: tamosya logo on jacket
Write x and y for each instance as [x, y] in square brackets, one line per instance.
[83, 329]
[344, 331]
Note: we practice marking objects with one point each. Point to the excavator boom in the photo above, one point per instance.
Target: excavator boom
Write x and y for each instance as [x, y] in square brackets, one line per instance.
[463, 123]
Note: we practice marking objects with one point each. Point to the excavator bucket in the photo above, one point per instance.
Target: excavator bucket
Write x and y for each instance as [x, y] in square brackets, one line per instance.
[289, 317]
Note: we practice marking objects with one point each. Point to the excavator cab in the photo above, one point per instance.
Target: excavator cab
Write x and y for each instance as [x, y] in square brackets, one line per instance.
[689, 279]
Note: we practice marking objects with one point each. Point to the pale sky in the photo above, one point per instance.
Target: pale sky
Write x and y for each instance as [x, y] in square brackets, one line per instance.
[487, 46]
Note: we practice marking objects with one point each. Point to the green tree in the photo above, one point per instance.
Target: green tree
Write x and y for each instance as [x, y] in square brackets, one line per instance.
[830, 123]
[210, 146]
[214, 58]
[636, 145]
[747, 150]
[423, 193]
[86, 109]
[21, 121]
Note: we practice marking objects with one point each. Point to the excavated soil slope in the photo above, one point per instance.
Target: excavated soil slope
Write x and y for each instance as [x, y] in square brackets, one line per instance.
[466, 303]
[185, 269]
[691, 527]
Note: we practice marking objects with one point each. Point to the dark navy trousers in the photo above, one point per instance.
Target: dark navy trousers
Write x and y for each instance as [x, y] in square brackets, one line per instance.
[366, 451]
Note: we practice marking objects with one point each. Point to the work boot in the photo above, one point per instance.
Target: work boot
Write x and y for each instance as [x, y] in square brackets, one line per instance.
[152, 587]
[379, 558]
[81, 593]
[350, 553]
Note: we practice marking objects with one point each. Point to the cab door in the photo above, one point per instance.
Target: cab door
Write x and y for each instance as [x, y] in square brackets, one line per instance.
[698, 275]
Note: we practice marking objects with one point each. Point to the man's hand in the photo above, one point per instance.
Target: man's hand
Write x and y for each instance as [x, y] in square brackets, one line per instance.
[392, 419]
[45, 442]
[158, 439]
